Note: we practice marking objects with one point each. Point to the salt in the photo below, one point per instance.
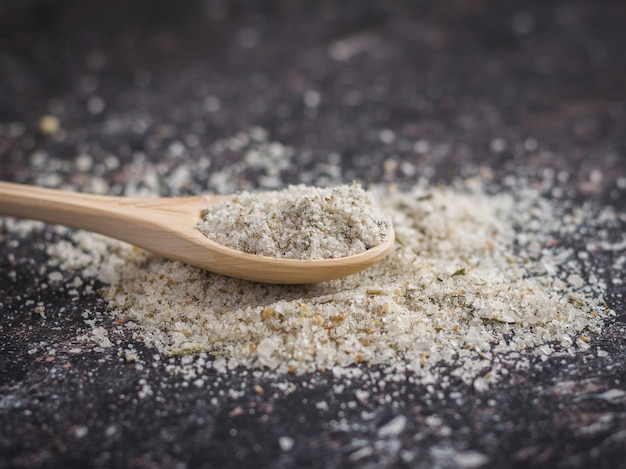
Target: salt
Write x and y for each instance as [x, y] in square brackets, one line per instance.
[475, 284]
[299, 222]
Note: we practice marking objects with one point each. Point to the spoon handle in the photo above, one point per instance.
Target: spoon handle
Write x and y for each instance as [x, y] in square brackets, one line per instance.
[150, 223]
[75, 210]
[164, 226]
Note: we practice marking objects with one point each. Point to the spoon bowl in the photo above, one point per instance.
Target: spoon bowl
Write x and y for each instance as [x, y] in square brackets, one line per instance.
[167, 227]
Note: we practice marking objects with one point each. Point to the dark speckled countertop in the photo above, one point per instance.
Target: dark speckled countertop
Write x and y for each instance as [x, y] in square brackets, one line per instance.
[524, 88]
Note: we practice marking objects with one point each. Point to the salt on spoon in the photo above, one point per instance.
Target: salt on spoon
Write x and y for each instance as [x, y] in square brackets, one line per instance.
[169, 227]
[299, 222]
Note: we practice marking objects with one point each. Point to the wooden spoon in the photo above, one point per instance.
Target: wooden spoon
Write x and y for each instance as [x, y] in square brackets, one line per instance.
[167, 227]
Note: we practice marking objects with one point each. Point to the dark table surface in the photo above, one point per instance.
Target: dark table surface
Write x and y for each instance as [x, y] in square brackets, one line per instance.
[520, 87]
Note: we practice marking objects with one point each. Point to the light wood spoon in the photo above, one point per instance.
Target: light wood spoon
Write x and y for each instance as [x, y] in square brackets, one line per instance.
[167, 227]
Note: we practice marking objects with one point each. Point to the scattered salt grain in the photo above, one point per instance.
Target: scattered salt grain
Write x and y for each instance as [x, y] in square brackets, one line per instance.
[361, 453]
[55, 276]
[80, 431]
[312, 98]
[212, 103]
[145, 389]
[101, 337]
[498, 145]
[614, 396]
[286, 443]
[471, 459]
[131, 356]
[95, 105]
[49, 125]
[393, 428]
[84, 162]
[41, 311]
